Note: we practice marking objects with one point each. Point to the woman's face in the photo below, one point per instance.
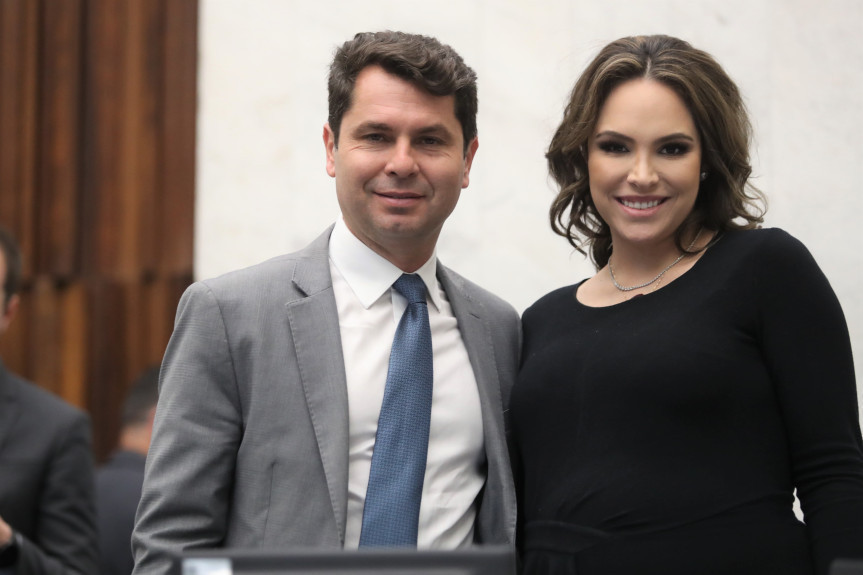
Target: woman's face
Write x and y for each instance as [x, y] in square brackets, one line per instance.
[644, 162]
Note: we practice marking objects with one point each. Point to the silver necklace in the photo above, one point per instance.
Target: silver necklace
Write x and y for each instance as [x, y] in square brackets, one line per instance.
[659, 275]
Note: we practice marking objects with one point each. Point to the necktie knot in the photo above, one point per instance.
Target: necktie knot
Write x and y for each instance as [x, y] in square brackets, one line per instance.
[412, 287]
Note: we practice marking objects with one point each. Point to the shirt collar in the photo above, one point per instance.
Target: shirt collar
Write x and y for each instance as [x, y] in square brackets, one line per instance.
[370, 275]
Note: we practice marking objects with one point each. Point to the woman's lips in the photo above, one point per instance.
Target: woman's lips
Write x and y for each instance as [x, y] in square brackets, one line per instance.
[640, 204]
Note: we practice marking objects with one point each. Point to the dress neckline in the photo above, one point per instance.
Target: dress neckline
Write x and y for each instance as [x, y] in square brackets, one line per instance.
[651, 296]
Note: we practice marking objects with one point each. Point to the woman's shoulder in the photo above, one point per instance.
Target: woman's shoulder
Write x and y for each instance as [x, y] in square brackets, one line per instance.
[761, 243]
[767, 256]
[758, 236]
[553, 300]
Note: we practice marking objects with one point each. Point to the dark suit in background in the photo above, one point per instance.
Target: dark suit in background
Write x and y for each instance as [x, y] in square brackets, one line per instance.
[118, 490]
[119, 481]
[46, 480]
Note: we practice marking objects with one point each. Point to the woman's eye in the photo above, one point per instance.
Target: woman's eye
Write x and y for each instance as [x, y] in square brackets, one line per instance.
[612, 147]
[675, 149]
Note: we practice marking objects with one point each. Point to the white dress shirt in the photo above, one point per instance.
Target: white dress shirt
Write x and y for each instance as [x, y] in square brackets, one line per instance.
[369, 312]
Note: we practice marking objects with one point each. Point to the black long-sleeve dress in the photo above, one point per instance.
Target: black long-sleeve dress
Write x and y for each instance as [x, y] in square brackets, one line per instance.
[667, 434]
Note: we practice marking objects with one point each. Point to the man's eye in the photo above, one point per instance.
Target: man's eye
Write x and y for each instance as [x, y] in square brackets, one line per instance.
[431, 141]
[374, 137]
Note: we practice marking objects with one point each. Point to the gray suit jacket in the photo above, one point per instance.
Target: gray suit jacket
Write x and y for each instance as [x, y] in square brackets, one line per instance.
[250, 447]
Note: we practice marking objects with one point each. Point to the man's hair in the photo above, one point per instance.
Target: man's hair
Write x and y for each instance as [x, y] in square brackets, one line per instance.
[142, 397]
[12, 255]
[720, 118]
[421, 60]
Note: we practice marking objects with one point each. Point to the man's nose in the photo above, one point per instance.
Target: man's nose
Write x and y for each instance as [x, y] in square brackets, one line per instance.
[402, 162]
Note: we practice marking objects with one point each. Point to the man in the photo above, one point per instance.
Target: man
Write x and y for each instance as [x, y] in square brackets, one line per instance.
[119, 481]
[47, 516]
[267, 430]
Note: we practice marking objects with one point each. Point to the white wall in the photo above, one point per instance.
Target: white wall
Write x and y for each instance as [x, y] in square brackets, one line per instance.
[262, 188]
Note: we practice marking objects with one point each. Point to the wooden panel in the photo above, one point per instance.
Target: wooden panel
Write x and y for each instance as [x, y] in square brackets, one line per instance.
[18, 65]
[103, 204]
[44, 335]
[136, 312]
[148, 49]
[54, 327]
[180, 108]
[60, 138]
[164, 296]
[10, 61]
[97, 121]
[139, 120]
[74, 327]
[10, 45]
[107, 335]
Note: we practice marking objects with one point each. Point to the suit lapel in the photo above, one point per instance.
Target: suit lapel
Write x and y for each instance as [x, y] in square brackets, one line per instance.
[478, 342]
[494, 520]
[317, 342]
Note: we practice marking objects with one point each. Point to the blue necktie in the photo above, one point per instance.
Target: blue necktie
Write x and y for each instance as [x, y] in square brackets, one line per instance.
[392, 507]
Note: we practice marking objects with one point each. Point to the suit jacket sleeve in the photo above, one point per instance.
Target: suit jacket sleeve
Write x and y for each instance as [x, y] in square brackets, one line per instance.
[187, 489]
[65, 540]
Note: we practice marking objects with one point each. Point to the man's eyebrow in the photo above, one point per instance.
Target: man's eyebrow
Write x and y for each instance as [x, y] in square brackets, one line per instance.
[374, 126]
[437, 128]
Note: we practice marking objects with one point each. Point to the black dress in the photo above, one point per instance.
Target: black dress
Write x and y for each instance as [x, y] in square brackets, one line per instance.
[667, 434]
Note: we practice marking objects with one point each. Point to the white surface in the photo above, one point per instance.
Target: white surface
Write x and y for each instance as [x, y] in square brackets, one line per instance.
[262, 187]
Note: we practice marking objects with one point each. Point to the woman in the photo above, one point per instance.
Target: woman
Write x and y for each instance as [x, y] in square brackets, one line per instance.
[668, 406]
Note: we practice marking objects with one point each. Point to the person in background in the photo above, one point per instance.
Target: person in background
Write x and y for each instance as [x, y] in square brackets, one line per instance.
[351, 394]
[47, 511]
[668, 407]
[119, 481]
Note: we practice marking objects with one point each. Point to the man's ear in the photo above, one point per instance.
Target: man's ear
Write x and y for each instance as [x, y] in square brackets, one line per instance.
[9, 312]
[471, 152]
[330, 145]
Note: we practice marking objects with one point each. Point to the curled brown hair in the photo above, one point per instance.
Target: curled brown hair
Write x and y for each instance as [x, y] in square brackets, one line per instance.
[725, 198]
[421, 60]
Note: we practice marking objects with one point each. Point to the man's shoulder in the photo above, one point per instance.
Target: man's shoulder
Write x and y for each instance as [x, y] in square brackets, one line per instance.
[42, 414]
[41, 402]
[474, 292]
[279, 269]
[277, 273]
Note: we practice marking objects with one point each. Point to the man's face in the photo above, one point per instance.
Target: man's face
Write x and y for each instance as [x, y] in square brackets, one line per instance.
[400, 166]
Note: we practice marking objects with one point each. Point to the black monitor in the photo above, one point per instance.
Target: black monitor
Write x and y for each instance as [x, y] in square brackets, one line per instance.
[485, 560]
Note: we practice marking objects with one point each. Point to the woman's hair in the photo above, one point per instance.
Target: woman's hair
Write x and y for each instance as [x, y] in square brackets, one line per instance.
[720, 118]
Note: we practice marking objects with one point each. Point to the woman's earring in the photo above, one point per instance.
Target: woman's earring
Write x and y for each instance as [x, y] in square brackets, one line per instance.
[703, 176]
